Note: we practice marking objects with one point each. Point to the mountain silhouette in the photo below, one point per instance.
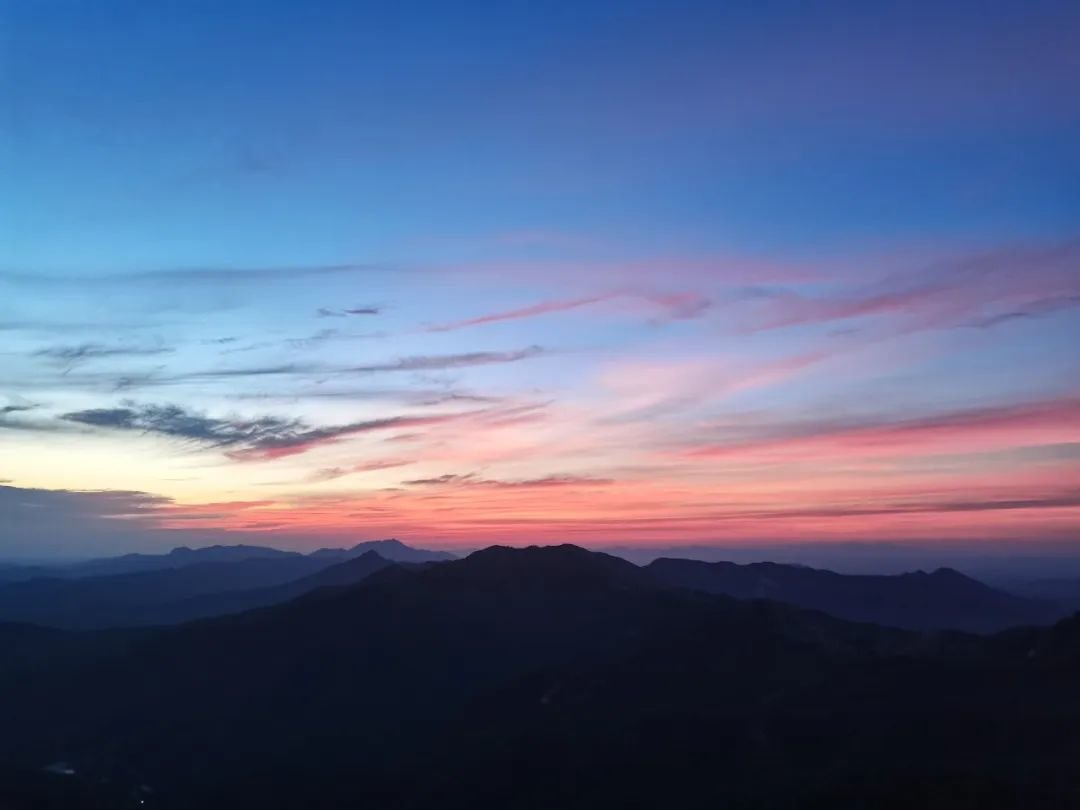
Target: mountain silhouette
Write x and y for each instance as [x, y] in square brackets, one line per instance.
[179, 557]
[340, 575]
[393, 550]
[540, 567]
[229, 579]
[183, 556]
[522, 678]
[120, 599]
[1060, 590]
[943, 599]
[173, 595]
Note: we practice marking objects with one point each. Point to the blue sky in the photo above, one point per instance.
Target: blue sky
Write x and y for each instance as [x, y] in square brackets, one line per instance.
[603, 242]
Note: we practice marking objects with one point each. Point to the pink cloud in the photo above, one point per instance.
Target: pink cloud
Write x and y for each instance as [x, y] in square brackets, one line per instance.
[543, 308]
[973, 430]
[292, 445]
[665, 306]
[642, 389]
[451, 509]
[632, 274]
[333, 473]
[980, 289]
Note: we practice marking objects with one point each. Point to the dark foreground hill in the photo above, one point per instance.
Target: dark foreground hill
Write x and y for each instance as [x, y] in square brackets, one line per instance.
[943, 599]
[549, 677]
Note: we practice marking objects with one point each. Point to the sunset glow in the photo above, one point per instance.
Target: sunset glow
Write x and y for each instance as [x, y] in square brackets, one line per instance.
[613, 284]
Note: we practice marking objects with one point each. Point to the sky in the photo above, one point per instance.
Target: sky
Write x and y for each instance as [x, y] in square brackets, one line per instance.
[598, 272]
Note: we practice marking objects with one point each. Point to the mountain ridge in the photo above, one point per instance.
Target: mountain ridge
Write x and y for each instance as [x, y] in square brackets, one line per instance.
[941, 599]
[519, 678]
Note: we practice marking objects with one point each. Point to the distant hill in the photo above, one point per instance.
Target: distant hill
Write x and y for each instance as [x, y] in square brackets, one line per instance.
[179, 557]
[189, 584]
[1063, 591]
[182, 556]
[173, 595]
[16, 572]
[123, 599]
[550, 677]
[393, 550]
[943, 599]
[340, 575]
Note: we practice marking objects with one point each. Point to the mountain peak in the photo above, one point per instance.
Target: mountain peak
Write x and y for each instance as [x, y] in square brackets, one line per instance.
[389, 543]
[235, 551]
[390, 549]
[949, 573]
[563, 566]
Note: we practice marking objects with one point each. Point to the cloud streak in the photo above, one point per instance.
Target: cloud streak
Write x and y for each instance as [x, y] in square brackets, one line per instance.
[73, 355]
[329, 312]
[194, 275]
[545, 482]
[333, 473]
[542, 308]
[262, 439]
[440, 362]
[121, 381]
[982, 290]
[670, 307]
[1035, 423]
[1060, 499]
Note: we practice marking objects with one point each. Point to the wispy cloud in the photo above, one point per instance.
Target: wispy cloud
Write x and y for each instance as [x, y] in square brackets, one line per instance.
[71, 356]
[678, 306]
[107, 503]
[315, 340]
[11, 418]
[545, 482]
[61, 327]
[666, 307]
[1035, 423]
[161, 377]
[324, 336]
[69, 522]
[1055, 499]
[328, 312]
[643, 391]
[441, 398]
[542, 308]
[194, 275]
[436, 362]
[333, 473]
[261, 439]
[984, 289]
[283, 369]
[1036, 309]
[438, 480]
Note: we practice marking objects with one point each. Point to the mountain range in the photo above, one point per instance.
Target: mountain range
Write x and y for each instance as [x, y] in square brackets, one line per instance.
[942, 599]
[182, 557]
[186, 584]
[543, 677]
